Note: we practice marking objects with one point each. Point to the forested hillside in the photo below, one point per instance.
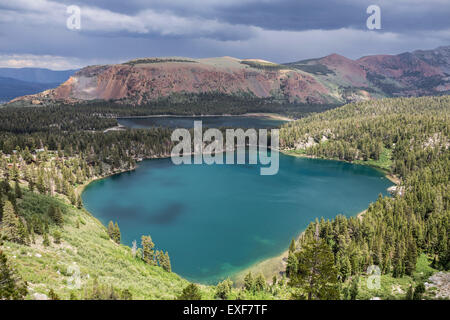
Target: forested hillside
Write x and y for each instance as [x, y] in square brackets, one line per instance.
[175, 104]
[408, 137]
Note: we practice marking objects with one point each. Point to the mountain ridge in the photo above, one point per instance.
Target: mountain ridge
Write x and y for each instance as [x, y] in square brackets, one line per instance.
[333, 79]
[37, 75]
[11, 88]
[17, 82]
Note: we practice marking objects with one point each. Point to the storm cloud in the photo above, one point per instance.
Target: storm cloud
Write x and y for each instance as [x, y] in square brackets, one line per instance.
[34, 32]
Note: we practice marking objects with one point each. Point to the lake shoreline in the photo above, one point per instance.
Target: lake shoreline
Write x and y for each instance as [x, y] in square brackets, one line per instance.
[391, 177]
[273, 266]
[273, 116]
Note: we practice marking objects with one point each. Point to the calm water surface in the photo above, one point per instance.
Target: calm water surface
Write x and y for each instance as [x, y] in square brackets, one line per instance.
[216, 220]
[211, 122]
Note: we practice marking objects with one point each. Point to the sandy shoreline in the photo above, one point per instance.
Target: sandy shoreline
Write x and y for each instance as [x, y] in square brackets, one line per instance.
[274, 116]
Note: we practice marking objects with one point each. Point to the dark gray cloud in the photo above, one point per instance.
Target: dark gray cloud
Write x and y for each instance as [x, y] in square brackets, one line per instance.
[298, 15]
[283, 30]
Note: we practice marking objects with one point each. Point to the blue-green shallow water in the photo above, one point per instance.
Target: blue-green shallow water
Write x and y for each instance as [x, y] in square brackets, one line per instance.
[216, 220]
[211, 122]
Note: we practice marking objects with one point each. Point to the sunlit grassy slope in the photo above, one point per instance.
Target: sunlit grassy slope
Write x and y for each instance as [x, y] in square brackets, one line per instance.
[86, 245]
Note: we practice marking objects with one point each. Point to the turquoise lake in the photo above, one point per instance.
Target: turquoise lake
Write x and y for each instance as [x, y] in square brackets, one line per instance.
[216, 220]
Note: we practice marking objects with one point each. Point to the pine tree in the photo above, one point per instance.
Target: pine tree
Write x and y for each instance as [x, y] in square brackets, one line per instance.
[111, 230]
[72, 197]
[249, 282]
[10, 223]
[354, 288]
[411, 258]
[292, 246]
[345, 269]
[12, 198]
[317, 274]
[11, 286]
[274, 280]
[410, 293]
[160, 258]
[22, 232]
[116, 234]
[260, 282]
[167, 265]
[79, 202]
[55, 214]
[40, 184]
[191, 292]
[37, 224]
[292, 264]
[223, 289]
[148, 254]
[419, 291]
[17, 190]
[398, 263]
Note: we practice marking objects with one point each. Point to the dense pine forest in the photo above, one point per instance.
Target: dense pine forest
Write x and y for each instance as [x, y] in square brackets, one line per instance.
[65, 115]
[47, 154]
[409, 138]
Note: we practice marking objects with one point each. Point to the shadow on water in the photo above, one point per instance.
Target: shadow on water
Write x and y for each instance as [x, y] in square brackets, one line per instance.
[166, 215]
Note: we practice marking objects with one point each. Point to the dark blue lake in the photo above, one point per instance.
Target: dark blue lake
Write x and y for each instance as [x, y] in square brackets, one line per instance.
[209, 121]
[216, 220]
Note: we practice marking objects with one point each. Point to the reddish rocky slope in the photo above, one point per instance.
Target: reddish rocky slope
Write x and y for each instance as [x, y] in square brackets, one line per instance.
[332, 79]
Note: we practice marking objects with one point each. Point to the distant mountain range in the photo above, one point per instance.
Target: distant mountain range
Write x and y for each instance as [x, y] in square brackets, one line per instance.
[333, 79]
[16, 82]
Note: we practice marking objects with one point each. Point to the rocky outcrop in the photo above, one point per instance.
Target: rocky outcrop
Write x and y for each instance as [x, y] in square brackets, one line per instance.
[438, 285]
[141, 82]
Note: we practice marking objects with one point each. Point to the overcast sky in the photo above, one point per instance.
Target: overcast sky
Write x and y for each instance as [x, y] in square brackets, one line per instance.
[33, 33]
